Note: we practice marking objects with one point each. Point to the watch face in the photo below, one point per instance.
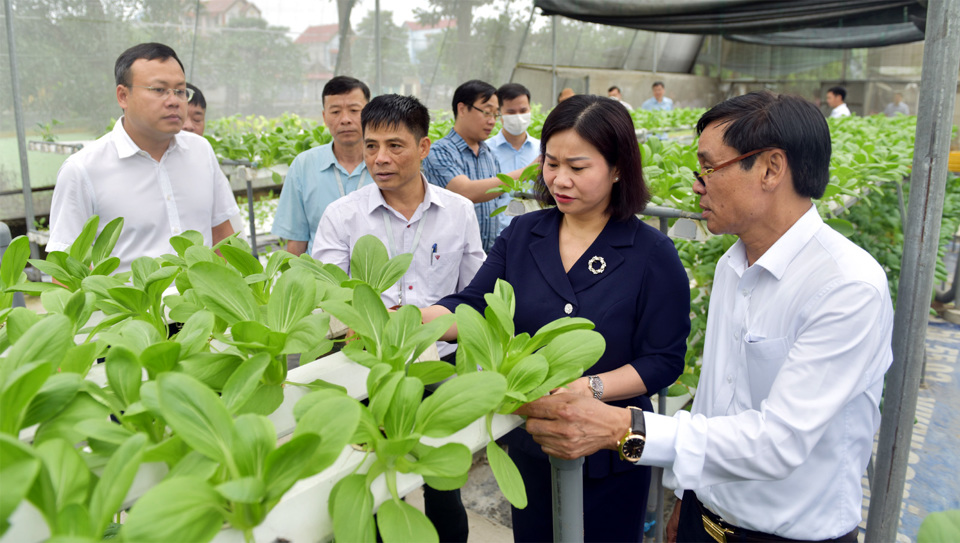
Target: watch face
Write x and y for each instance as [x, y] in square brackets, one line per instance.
[633, 448]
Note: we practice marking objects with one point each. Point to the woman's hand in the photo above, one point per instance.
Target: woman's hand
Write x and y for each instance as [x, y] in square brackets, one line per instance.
[581, 386]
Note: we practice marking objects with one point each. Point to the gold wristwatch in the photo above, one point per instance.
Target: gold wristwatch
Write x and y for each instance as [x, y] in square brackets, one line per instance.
[631, 446]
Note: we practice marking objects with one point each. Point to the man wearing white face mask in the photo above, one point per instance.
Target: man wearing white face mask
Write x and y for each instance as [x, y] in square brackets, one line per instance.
[513, 147]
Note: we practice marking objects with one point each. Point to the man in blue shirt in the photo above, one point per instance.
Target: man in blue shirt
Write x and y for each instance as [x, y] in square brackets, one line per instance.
[323, 174]
[462, 162]
[659, 102]
[513, 147]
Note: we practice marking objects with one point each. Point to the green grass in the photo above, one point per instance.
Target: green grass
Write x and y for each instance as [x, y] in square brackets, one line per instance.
[43, 166]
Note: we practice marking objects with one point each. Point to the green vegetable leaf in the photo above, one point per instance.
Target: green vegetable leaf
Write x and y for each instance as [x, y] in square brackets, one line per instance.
[106, 241]
[292, 299]
[124, 374]
[243, 490]
[431, 371]
[197, 415]
[400, 522]
[115, 481]
[68, 471]
[256, 438]
[507, 475]
[178, 509]
[351, 507]
[242, 384]
[224, 292]
[445, 412]
[286, 465]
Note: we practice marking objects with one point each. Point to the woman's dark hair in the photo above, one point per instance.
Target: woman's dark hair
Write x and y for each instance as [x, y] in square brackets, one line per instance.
[393, 111]
[606, 125]
[763, 119]
[147, 51]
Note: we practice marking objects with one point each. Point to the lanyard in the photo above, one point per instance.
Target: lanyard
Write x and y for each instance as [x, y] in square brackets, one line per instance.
[336, 172]
[393, 247]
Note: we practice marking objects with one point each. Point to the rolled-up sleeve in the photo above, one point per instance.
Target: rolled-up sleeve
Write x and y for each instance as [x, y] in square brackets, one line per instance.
[224, 203]
[290, 221]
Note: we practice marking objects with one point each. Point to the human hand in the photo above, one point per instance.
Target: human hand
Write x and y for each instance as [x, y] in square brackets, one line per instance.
[570, 426]
[673, 524]
[581, 386]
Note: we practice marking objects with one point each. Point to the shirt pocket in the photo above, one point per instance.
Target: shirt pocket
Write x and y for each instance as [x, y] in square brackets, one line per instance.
[443, 271]
[764, 359]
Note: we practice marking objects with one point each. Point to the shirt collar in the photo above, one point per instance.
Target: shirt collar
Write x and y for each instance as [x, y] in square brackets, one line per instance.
[499, 139]
[461, 144]
[376, 198]
[126, 147]
[785, 249]
[326, 158]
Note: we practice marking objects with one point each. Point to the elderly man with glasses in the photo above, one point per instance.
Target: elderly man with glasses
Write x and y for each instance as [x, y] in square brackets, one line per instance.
[798, 340]
[462, 162]
[163, 181]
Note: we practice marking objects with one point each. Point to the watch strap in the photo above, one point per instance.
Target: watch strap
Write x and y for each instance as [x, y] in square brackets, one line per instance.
[636, 432]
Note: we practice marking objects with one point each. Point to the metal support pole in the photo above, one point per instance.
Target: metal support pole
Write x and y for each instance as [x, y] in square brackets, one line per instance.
[567, 479]
[378, 84]
[941, 61]
[554, 70]
[21, 132]
[656, 51]
[193, 48]
[523, 41]
[626, 57]
[253, 222]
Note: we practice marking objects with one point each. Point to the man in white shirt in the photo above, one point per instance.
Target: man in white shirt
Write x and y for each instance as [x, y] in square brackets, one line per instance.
[798, 340]
[409, 215]
[161, 180]
[614, 92]
[835, 99]
[320, 175]
[513, 147]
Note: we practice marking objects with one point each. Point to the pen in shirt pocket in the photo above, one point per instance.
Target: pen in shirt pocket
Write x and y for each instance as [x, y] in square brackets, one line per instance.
[433, 254]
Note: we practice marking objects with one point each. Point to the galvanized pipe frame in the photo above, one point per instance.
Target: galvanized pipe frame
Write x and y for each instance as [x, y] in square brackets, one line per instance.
[941, 61]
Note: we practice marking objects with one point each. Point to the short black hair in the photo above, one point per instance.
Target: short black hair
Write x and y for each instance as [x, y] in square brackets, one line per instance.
[511, 91]
[658, 84]
[198, 99]
[147, 51]
[393, 110]
[614, 88]
[839, 91]
[764, 119]
[343, 84]
[469, 92]
[606, 125]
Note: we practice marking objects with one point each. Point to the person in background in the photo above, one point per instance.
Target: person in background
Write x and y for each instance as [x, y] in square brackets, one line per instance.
[591, 257]
[320, 175]
[410, 216]
[564, 94]
[162, 180]
[797, 343]
[658, 102]
[462, 161]
[614, 92]
[195, 120]
[898, 106]
[513, 147]
[835, 99]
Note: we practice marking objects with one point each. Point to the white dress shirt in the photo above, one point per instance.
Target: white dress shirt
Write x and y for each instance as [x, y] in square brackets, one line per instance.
[113, 177]
[448, 254]
[840, 111]
[784, 417]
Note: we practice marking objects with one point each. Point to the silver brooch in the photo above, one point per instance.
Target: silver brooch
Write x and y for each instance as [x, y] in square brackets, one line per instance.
[601, 265]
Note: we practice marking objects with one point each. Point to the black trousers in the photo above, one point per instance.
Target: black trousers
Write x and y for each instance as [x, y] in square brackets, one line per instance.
[691, 530]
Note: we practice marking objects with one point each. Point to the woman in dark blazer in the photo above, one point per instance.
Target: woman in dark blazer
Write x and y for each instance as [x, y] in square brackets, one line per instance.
[591, 257]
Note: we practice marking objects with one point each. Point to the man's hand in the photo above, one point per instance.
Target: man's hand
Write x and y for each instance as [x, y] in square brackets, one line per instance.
[570, 426]
[673, 524]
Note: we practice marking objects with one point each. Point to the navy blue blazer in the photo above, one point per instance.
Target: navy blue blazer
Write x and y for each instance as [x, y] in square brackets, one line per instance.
[640, 303]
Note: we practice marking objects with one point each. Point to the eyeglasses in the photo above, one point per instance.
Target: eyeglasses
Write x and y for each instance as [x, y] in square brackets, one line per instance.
[184, 95]
[709, 171]
[487, 114]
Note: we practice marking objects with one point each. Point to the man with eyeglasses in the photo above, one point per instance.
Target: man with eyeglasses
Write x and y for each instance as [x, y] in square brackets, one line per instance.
[462, 162]
[163, 181]
[798, 340]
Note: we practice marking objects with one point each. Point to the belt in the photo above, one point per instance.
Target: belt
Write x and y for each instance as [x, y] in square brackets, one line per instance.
[720, 530]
